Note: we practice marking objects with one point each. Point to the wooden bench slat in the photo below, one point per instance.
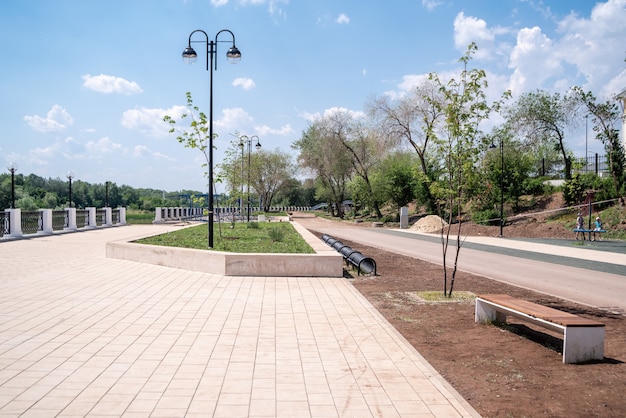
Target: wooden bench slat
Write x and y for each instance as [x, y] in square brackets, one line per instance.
[539, 311]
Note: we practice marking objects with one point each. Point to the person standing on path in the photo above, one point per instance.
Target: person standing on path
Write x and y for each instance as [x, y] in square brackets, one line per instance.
[580, 225]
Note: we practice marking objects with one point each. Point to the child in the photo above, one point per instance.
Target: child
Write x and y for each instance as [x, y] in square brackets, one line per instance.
[580, 225]
[598, 227]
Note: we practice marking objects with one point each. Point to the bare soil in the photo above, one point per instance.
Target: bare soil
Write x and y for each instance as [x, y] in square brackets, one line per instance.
[512, 371]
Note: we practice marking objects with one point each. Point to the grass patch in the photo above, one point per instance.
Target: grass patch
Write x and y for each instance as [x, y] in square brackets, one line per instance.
[240, 239]
[435, 296]
[134, 217]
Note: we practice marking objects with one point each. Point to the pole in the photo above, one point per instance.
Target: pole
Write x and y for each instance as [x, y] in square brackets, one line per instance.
[501, 187]
[248, 185]
[211, 51]
[12, 189]
[241, 195]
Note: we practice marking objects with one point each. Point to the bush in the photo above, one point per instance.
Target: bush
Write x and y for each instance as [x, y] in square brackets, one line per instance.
[253, 225]
[486, 217]
[276, 235]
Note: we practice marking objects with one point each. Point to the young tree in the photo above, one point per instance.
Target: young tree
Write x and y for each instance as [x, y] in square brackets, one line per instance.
[457, 137]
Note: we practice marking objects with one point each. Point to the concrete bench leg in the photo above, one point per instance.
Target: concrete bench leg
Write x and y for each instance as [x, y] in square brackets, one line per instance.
[583, 344]
[485, 312]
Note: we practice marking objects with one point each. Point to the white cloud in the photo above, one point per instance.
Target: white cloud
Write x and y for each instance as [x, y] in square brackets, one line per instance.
[312, 117]
[142, 151]
[430, 5]
[533, 60]
[150, 121]
[110, 84]
[587, 51]
[233, 119]
[266, 130]
[56, 120]
[102, 146]
[244, 83]
[219, 3]
[595, 45]
[468, 29]
[342, 19]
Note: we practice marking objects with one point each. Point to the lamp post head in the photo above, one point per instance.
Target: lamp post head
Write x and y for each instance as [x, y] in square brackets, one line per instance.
[233, 55]
[189, 55]
[258, 145]
[70, 175]
[12, 167]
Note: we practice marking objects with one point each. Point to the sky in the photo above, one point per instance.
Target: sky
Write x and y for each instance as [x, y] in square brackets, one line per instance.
[84, 85]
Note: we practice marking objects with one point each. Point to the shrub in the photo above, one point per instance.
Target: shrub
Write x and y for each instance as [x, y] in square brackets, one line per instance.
[276, 235]
[253, 225]
[486, 217]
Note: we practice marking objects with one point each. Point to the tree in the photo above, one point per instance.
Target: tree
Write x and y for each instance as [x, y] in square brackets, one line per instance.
[457, 135]
[397, 180]
[329, 160]
[270, 172]
[413, 119]
[605, 116]
[541, 117]
[364, 150]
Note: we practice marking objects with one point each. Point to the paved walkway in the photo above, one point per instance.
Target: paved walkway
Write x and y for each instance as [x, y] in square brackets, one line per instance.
[83, 335]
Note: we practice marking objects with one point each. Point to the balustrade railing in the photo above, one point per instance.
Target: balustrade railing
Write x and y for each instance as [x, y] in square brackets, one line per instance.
[82, 218]
[60, 220]
[14, 223]
[32, 222]
[100, 217]
[5, 224]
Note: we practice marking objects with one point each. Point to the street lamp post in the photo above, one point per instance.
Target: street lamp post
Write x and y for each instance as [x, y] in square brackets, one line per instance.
[492, 146]
[12, 167]
[189, 56]
[257, 146]
[70, 176]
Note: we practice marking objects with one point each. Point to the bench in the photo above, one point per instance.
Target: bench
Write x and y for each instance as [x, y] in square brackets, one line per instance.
[583, 339]
[589, 231]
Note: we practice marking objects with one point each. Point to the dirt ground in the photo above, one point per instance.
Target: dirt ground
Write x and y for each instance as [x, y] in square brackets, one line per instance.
[513, 372]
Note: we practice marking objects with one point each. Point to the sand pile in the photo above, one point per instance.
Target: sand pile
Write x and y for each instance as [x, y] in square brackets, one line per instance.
[429, 224]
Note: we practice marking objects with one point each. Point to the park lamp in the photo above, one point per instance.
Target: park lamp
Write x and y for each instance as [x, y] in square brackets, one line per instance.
[190, 56]
[12, 167]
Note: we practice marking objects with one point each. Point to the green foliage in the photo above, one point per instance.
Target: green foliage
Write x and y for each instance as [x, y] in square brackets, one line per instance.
[486, 217]
[252, 225]
[542, 118]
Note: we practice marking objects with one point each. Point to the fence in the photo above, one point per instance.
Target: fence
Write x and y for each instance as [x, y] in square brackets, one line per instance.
[598, 164]
[221, 213]
[15, 223]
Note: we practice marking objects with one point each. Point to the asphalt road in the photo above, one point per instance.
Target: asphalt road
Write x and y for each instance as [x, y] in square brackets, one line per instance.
[593, 275]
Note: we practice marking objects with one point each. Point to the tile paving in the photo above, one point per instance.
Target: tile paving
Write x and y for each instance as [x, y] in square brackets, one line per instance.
[84, 335]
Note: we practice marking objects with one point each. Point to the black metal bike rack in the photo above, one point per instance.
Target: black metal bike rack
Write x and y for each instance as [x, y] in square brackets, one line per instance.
[364, 264]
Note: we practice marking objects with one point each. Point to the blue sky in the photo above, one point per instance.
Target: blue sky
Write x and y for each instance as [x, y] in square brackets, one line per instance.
[84, 84]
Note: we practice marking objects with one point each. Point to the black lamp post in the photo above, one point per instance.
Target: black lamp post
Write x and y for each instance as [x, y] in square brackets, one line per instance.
[70, 176]
[12, 167]
[257, 146]
[492, 146]
[190, 56]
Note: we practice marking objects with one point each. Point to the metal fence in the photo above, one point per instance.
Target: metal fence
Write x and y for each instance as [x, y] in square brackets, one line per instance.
[5, 223]
[60, 220]
[597, 164]
[32, 222]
